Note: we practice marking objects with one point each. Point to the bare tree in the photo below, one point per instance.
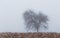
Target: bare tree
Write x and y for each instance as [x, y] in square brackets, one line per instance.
[35, 21]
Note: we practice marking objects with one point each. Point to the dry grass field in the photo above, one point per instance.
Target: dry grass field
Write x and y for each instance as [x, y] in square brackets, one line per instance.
[29, 35]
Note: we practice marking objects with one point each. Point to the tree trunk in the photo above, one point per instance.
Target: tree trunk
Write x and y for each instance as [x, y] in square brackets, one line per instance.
[37, 30]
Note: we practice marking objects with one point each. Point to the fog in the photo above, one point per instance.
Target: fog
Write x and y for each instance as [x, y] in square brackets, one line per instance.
[11, 14]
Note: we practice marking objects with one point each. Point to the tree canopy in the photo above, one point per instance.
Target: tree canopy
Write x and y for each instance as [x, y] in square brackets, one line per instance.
[35, 21]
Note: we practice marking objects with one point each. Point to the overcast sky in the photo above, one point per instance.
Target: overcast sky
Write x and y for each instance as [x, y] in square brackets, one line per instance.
[11, 18]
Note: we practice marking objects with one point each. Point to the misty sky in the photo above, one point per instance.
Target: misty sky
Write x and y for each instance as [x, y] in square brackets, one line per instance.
[11, 18]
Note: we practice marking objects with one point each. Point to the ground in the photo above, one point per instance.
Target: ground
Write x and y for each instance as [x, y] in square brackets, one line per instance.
[30, 35]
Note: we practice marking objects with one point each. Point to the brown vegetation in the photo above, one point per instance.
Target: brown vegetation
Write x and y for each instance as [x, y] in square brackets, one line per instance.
[30, 35]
